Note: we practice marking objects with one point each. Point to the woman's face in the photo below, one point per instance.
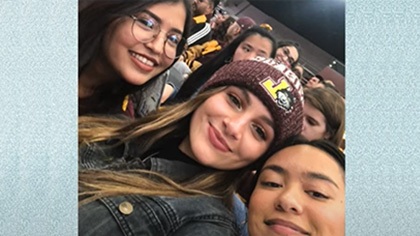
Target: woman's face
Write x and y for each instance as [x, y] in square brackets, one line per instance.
[314, 82]
[314, 124]
[230, 130]
[300, 192]
[253, 46]
[287, 55]
[139, 62]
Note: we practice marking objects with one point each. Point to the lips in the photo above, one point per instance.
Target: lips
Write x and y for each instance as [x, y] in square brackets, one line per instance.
[143, 62]
[217, 140]
[283, 227]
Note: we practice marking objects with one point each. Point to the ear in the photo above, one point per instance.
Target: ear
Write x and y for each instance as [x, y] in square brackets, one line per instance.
[237, 30]
[327, 135]
[209, 9]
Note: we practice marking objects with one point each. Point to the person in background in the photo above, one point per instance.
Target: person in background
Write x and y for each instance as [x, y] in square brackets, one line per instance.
[288, 53]
[318, 81]
[124, 48]
[190, 59]
[253, 42]
[202, 12]
[197, 55]
[315, 82]
[198, 148]
[300, 190]
[324, 115]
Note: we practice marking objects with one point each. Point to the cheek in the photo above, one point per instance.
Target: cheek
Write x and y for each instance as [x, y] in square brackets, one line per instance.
[259, 205]
[250, 148]
[238, 55]
[331, 220]
[165, 61]
[118, 39]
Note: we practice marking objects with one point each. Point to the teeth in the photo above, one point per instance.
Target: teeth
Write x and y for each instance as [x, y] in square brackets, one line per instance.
[142, 59]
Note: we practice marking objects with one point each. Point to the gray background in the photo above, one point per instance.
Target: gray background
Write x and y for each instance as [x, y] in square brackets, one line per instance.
[38, 124]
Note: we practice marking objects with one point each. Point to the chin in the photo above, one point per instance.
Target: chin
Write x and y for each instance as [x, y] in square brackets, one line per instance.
[138, 79]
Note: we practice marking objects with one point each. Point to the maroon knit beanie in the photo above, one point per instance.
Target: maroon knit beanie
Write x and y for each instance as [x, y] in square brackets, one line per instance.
[245, 23]
[274, 84]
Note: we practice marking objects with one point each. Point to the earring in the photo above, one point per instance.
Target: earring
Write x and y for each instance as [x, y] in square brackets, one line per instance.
[229, 60]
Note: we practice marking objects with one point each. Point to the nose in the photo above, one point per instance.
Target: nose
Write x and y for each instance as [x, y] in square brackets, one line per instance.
[289, 201]
[234, 126]
[157, 44]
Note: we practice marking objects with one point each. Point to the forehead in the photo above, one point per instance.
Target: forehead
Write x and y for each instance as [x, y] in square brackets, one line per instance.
[300, 159]
[254, 102]
[163, 9]
[257, 40]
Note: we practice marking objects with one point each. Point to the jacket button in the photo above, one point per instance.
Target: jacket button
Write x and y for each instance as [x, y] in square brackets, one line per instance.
[126, 208]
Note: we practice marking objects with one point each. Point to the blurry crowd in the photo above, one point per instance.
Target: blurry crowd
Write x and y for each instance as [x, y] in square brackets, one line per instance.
[193, 121]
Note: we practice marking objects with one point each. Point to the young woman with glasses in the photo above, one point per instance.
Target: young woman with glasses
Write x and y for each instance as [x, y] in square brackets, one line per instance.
[124, 48]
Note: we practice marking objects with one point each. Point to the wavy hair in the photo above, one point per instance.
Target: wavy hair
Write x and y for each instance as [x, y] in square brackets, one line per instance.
[153, 130]
[331, 105]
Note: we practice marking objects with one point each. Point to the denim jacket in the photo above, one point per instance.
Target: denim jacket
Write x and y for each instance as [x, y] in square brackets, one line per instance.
[140, 215]
[100, 156]
[156, 216]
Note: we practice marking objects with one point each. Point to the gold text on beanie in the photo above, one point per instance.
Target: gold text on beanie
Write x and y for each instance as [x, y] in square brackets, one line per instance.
[279, 88]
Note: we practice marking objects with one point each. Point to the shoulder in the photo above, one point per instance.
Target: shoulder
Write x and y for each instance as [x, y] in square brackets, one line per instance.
[140, 215]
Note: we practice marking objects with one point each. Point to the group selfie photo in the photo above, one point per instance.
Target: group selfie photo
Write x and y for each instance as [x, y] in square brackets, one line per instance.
[211, 117]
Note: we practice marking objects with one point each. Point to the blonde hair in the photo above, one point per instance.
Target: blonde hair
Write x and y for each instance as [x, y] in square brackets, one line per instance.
[169, 120]
[95, 184]
[331, 105]
[150, 131]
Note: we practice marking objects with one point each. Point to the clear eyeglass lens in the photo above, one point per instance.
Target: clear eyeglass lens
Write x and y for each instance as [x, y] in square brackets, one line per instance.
[145, 29]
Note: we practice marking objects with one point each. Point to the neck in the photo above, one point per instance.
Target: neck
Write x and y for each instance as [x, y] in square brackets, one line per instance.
[94, 75]
[185, 147]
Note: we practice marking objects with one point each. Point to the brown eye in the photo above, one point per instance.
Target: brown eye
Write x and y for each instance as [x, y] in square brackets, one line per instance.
[260, 132]
[235, 101]
[271, 184]
[317, 195]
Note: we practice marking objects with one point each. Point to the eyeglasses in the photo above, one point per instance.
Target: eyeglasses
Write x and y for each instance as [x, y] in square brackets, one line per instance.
[145, 29]
[287, 54]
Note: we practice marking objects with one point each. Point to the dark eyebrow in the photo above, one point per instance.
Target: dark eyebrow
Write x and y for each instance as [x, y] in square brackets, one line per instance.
[274, 168]
[153, 15]
[248, 45]
[159, 20]
[263, 51]
[245, 93]
[319, 176]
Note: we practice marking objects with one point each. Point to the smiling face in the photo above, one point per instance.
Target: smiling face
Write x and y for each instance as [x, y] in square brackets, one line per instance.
[138, 62]
[314, 124]
[230, 130]
[300, 192]
[287, 55]
[253, 46]
[314, 82]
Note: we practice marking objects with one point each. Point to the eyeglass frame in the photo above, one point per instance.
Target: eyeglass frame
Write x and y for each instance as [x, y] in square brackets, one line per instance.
[182, 40]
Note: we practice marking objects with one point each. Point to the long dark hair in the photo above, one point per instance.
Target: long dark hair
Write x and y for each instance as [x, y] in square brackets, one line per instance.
[202, 74]
[94, 20]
